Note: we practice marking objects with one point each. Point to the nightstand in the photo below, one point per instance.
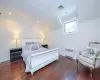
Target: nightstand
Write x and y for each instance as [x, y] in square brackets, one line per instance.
[45, 45]
[15, 54]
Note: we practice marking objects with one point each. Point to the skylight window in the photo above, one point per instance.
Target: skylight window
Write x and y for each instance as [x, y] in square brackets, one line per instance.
[70, 27]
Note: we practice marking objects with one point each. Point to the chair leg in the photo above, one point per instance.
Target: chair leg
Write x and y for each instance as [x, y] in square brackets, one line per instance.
[77, 65]
[91, 72]
[32, 73]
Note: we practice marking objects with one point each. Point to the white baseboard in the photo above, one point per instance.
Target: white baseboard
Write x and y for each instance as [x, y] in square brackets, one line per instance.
[4, 60]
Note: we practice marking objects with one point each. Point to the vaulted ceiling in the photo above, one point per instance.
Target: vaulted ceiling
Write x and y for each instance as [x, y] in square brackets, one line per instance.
[88, 9]
[46, 11]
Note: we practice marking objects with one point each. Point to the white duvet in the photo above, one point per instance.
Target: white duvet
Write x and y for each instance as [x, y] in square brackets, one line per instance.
[27, 55]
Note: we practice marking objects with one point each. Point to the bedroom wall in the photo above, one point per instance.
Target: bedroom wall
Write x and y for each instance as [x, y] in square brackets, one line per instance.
[88, 31]
[9, 26]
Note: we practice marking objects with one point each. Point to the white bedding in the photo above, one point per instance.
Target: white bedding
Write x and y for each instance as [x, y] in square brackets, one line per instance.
[26, 57]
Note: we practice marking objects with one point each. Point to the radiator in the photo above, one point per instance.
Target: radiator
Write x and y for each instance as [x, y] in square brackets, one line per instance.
[69, 53]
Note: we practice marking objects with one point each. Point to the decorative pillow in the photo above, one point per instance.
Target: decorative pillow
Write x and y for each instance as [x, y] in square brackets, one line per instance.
[91, 51]
[28, 45]
[34, 47]
[31, 46]
[39, 45]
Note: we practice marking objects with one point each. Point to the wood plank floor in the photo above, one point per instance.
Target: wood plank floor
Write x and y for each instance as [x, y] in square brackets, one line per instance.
[63, 69]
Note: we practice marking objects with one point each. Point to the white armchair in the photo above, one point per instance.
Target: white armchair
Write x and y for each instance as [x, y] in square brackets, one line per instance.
[90, 58]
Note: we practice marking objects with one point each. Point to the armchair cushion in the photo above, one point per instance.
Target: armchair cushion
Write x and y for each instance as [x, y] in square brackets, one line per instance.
[85, 59]
[86, 63]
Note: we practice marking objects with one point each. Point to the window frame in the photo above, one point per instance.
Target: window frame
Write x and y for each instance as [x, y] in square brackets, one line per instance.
[75, 32]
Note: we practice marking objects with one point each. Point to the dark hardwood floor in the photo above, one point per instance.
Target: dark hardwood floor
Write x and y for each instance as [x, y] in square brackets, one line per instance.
[63, 69]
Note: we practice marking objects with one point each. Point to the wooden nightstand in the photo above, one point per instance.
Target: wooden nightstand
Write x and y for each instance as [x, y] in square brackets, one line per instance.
[45, 45]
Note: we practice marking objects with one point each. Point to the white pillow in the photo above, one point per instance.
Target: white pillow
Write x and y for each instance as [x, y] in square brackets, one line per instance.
[34, 47]
[39, 45]
[31, 46]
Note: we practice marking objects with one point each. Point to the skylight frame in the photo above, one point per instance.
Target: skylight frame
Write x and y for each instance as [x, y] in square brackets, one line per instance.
[73, 32]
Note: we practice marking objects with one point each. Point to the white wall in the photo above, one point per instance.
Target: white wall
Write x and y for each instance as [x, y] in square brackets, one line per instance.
[87, 31]
[9, 26]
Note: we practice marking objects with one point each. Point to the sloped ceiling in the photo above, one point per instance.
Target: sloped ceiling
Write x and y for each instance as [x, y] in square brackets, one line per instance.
[88, 9]
[46, 10]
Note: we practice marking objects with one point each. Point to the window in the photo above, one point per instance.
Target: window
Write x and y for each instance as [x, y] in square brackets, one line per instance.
[70, 27]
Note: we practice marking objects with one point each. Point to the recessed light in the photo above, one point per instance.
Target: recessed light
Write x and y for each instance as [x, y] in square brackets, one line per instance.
[38, 21]
[10, 13]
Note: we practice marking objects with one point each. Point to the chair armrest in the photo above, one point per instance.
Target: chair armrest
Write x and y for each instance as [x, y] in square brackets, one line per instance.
[97, 62]
[97, 57]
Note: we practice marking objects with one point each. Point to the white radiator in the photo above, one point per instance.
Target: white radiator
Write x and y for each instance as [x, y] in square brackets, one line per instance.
[70, 52]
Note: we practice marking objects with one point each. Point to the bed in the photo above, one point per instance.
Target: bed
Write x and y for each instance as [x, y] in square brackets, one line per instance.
[35, 56]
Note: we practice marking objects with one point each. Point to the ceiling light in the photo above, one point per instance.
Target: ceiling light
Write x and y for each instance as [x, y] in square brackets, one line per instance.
[9, 13]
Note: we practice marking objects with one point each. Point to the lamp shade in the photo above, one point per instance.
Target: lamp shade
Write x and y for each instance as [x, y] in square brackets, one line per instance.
[16, 36]
[42, 37]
